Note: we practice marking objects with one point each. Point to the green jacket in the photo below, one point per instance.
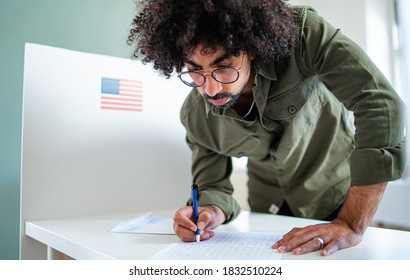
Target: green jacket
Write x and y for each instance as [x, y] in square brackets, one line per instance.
[302, 147]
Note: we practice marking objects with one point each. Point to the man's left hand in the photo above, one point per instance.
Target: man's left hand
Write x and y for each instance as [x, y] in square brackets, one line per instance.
[326, 237]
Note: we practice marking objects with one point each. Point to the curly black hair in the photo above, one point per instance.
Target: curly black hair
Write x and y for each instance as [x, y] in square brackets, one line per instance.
[166, 31]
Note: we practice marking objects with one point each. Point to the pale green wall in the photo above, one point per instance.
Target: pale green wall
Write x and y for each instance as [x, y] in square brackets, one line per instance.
[98, 26]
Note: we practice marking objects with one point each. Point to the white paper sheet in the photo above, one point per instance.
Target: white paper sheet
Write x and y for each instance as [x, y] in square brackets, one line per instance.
[225, 245]
[146, 224]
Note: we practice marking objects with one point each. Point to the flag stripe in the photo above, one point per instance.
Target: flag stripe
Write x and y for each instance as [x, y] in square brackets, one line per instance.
[123, 109]
[121, 99]
[131, 81]
[123, 104]
[124, 94]
[130, 91]
[119, 95]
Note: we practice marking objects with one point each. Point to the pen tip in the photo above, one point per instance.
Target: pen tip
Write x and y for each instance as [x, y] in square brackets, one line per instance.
[197, 238]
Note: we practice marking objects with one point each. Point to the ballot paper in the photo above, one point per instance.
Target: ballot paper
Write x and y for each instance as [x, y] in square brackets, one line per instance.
[146, 224]
[225, 245]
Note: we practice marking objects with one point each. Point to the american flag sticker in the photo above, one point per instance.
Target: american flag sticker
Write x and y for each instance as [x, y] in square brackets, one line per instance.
[121, 94]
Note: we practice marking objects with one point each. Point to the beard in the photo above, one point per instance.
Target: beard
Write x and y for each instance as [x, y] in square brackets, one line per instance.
[232, 101]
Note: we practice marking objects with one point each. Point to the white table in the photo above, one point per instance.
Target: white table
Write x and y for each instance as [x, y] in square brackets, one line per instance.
[91, 238]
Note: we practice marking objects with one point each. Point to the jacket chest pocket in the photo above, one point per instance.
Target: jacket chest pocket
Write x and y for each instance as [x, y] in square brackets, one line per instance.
[239, 139]
[285, 102]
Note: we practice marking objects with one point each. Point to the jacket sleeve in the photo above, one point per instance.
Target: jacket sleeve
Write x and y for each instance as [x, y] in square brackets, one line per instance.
[211, 172]
[355, 81]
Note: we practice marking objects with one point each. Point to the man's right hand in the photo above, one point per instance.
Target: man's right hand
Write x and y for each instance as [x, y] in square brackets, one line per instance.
[210, 217]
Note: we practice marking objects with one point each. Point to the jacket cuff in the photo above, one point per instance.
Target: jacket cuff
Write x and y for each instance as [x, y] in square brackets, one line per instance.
[225, 201]
[372, 166]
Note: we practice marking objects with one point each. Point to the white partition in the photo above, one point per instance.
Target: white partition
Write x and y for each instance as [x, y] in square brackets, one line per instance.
[79, 158]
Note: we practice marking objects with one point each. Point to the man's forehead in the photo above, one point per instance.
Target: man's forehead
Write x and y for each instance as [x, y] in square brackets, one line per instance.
[205, 50]
[209, 50]
[214, 55]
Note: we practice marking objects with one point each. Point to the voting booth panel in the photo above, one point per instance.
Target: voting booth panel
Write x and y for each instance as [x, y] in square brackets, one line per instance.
[100, 135]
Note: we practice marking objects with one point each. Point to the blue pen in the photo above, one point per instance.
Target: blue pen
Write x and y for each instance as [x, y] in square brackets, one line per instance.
[195, 207]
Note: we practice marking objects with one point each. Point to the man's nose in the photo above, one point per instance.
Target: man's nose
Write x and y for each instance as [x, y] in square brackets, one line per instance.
[212, 86]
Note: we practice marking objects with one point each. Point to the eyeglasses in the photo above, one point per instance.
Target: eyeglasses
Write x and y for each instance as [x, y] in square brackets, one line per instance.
[224, 75]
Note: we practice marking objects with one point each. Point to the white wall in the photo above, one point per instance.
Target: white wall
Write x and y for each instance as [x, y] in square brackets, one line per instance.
[379, 39]
[349, 15]
[367, 22]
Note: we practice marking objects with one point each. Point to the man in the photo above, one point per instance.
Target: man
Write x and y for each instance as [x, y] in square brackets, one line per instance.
[274, 83]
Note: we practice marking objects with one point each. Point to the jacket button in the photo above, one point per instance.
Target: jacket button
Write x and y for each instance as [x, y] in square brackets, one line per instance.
[292, 109]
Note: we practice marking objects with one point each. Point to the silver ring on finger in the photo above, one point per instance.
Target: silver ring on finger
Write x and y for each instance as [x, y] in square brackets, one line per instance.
[321, 241]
